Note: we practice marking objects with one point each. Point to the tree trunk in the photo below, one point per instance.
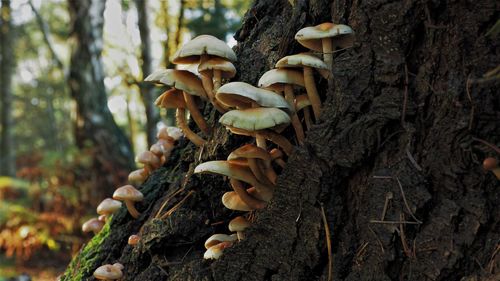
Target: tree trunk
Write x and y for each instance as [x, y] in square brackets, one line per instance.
[400, 123]
[152, 115]
[95, 127]
[7, 70]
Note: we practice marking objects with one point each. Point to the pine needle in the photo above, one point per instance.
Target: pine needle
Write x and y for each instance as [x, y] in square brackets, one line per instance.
[328, 245]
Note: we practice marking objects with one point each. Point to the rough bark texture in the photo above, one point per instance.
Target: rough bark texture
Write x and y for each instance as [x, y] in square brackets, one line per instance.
[370, 142]
[95, 127]
[147, 93]
[7, 70]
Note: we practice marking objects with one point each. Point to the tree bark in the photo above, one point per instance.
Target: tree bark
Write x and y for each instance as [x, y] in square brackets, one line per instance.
[152, 115]
[399, 124]
[7, 70]
[95, 127]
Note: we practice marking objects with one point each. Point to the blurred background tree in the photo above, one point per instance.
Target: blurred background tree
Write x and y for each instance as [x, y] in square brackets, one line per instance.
[73, 110]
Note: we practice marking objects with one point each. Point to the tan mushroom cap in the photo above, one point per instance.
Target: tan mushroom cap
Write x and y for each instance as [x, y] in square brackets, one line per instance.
[172, 98]
[138, 176]
[215, 251]
[108, 206]
[253, 119]
[304, 60]
[218, 238]
[149, 158]
[232, 201]
[238, 224]
[128, 192]
[133, 239]
[94, 225]
[251, 151]
[242, 95]
[275, 79]
[203, 45]
[226, 68]
[108, 272]
[301, 102]
[118, 265]
[180, 79]
[311, 36]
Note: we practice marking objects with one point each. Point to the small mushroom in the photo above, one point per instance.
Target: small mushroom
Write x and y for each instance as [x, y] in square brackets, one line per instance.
[130, 195]
[108, 272]
[94, 225]
[215, 251]
[150, 160]
[491, 164]
[138, 176]
[256, 158]
[169, 133]
[277, 156]
[218, 238]
[325, 37]
[134, 239]
[238, 225]
[108, 206]
[303, 103]
[212, 71]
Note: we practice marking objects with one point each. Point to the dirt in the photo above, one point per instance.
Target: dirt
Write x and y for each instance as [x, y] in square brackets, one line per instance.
[442, 221]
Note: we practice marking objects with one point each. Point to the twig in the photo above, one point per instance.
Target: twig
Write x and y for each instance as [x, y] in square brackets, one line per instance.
[473, 107]
[406, 202]
[328, 244]
[412, 160]
[405, 98]
[388, 196]
[378, 239]
[394, 222]
[167, 200]
[176, 206]
[403, 236]
[490, 145]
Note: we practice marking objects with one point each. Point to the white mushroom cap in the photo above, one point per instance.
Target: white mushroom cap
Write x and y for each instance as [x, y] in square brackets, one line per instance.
[241, 95]
[179, 79]
[304, 59]
[94, 225]
[128, 192]
[253, 119]
[215, 251]
[108, 272]
[108, 206]
[311, 36]
[238, 224]
[275, 78]
[217, 238]
[203, 45]
[226, 68]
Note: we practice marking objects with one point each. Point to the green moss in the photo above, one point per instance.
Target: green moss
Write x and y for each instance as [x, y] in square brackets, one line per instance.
[84, 263]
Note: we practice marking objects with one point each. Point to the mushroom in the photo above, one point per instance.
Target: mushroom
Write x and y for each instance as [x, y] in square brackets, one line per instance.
[215, 251]
[150, 160]
[169, 133]
[277, 156]
[302, 102]
[102, 218]
[238, 173]
[218, 238]
[175, 99]
[258, 122]
[255, 157]
[325, 37]
[94, 225]
[233, 201]
[282, 80]
[491, 164]
[108, 206]
[307, 62]
[118, 265]
[216, 68]
[108, 272]
[133, 239]
[238, 225]
[190, 85]
[129, 194]
[138, 176]
[243, 95]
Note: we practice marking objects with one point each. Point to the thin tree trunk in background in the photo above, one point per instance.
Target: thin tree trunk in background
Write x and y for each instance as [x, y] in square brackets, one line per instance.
[152, 114]
[180, 21]
[7, 69]
[95, 127]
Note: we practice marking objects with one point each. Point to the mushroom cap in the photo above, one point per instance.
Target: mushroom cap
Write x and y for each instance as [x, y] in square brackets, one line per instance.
[133, 239]
[276, 153]
[108, 272]
[253, 119]
[118, 265]
[275, 78]
[302, 101]
[102, 218]
[490, 163]
[203, 45]
[215, 251]
[138, 176]
[228, 169]
[311, 36]
[226, 68]
[180, 79]
[128, 192]
[93, 224]
[241, 95]
[304, 60]
[172, 98]
[239, 223]
[148, 158]
[251, 151]
[218, 238]
[232, 201]
[108, 206]
[169, 133]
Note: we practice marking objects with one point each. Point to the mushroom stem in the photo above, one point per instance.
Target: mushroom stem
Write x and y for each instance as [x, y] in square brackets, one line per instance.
[297, 126]
[278, 139]
[307, 117]
[271, 175]
[196, 114]
[327, 52]
[312, 91]
[252, 202]
[131, 209]
[209, 88]
[258, 171]
[180, 116]
[217, 79]
[261, 141]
